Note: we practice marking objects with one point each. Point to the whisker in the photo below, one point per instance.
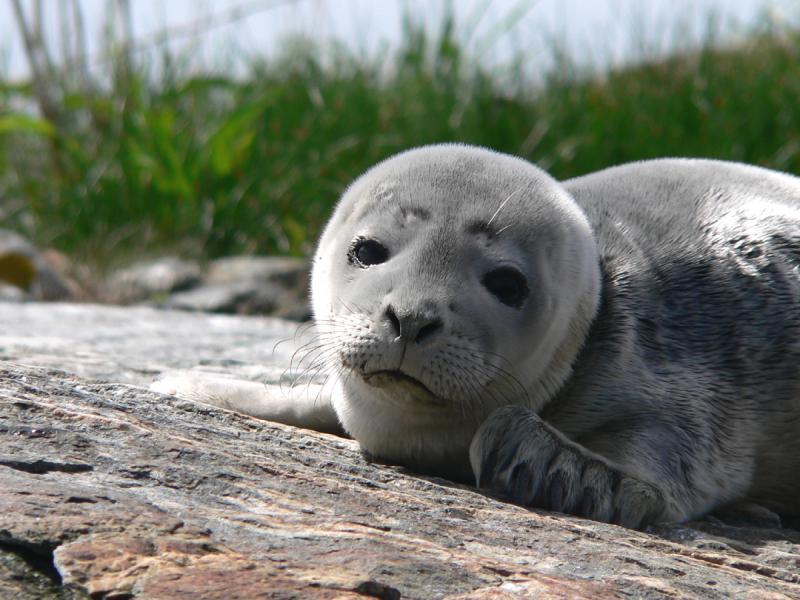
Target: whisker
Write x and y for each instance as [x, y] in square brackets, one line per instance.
[502, 204]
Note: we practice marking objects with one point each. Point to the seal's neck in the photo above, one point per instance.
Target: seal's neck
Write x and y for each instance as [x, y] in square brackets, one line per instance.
[560, 367]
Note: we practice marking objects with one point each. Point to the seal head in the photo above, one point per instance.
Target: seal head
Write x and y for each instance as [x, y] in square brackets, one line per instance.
[450, 281]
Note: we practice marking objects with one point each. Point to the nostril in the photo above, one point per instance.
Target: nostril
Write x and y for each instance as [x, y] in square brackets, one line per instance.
[428, 330]
[394, 322]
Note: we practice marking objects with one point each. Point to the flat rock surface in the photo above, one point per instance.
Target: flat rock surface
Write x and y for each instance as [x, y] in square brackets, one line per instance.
[108, 490]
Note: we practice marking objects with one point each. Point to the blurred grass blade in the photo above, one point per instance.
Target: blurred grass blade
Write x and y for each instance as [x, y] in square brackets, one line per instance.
[20, 123]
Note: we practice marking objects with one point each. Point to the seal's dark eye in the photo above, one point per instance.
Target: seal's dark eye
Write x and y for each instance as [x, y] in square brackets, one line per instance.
[365, 253]
[508, 285]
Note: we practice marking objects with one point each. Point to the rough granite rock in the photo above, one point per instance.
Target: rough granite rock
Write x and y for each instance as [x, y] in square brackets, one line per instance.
[108, 490]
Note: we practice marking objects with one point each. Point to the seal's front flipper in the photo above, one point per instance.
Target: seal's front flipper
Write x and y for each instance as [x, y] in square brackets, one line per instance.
[515, 454]
[747, 514]
[302, 406]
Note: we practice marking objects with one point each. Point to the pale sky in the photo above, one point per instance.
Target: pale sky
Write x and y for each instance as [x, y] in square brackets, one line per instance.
[596, 31]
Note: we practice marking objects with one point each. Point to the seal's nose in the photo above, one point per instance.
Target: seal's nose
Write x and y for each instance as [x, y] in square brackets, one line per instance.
[416, 326]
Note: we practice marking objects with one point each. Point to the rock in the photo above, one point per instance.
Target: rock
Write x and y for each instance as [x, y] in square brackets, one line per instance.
[134, 344]
[78, 280]
[24, 267]
[151, 280]
[247, 297]
[273, 285]
[243, 297]
[18, 260]
[111, 490]
[19, 580]
[284, 270]
[11, 293]
[51, 285]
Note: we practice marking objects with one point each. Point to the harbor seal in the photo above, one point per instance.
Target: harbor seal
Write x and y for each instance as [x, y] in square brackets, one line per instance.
[624, 346]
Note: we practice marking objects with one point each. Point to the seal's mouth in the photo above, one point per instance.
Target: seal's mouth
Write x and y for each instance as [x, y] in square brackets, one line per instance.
[385, 378]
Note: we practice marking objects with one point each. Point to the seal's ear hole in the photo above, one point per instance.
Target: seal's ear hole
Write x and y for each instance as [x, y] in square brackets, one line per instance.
[365, 252]
[508, 285]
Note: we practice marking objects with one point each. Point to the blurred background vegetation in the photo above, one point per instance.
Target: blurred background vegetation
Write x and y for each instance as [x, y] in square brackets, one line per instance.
[153, 156]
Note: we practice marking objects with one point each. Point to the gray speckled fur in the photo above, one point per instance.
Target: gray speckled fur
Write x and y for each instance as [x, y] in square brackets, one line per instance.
[685, 394]
[692, 366]
[653, 373]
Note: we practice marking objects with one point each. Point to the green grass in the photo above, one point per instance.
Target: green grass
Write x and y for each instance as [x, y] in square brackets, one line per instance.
[218, 165]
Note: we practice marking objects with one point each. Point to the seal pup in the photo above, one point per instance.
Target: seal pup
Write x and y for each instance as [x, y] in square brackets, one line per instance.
[624, 346]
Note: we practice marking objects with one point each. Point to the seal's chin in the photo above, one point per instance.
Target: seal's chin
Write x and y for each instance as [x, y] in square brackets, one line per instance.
[395, 379]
